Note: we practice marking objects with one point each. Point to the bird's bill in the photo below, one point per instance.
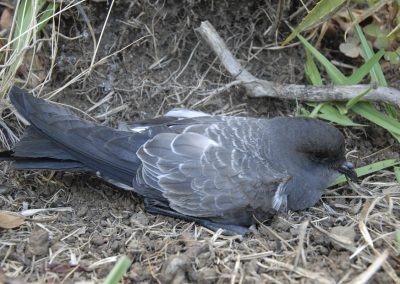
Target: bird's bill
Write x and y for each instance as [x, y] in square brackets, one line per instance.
[347, 169]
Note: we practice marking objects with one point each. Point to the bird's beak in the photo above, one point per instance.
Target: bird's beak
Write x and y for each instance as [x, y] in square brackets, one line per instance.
[347, 169]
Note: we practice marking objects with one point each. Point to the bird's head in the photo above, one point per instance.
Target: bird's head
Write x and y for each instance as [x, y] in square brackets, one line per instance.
[313, 143]
[312, 153]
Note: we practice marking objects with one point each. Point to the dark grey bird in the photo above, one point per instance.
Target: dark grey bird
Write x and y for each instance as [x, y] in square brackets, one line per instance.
[218, 171]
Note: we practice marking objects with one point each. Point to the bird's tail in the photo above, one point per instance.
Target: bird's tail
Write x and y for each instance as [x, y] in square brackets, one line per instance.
[57, 139]
[35, 152]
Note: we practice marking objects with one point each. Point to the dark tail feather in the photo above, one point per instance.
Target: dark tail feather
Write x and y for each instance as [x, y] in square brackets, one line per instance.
[35, 152]
[26, 163]
[35, 145]
[58, 138]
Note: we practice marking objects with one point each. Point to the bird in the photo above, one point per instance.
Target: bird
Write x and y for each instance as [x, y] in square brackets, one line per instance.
[221, 172]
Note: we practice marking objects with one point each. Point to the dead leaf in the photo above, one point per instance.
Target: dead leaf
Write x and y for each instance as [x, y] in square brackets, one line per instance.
[33, 69]
[6, 19]
[345, 235]
[10, 220]
[351, 48]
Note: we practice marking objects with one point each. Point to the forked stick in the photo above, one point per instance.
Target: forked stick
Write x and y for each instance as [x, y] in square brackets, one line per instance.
[261, 88]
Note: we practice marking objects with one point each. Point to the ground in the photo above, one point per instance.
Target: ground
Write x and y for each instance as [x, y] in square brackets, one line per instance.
[168, 65]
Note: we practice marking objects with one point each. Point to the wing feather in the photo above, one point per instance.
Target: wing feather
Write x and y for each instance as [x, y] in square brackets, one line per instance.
[211, 169]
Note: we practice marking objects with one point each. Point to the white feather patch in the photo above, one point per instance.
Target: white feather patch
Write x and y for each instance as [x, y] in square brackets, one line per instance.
[185, 113]
[280, 197]
[125, 127]
[118, 184]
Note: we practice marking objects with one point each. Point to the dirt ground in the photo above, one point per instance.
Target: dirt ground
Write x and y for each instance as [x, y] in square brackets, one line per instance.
[167, 66]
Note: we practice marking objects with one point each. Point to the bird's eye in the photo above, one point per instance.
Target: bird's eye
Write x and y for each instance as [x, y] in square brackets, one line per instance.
[319, 155]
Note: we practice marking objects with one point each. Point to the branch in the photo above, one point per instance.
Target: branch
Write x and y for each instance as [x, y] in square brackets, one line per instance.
[262, 88]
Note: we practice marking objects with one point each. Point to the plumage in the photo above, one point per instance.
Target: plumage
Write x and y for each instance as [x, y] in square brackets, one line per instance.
[216, 170]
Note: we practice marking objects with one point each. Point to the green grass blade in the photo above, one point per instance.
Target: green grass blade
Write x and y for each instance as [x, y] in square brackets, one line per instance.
[391, 110]
[369, 169]
[341, 107]
[397, 173]
[357, 98]
[312, 71]
[316, 110]
[118, 271]
[318, 14]
[22, 23]
[366, 68]
[301, 111]
[47, 15]
[376, 72]
[397, 239]
[335, 75]
[21, 37]
[25, 27]
[330, 113]
[367, 111]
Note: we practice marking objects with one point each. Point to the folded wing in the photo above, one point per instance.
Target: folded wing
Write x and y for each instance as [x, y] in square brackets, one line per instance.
[209, 171]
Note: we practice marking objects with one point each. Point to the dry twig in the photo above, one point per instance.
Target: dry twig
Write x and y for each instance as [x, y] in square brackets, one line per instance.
[263, 88]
